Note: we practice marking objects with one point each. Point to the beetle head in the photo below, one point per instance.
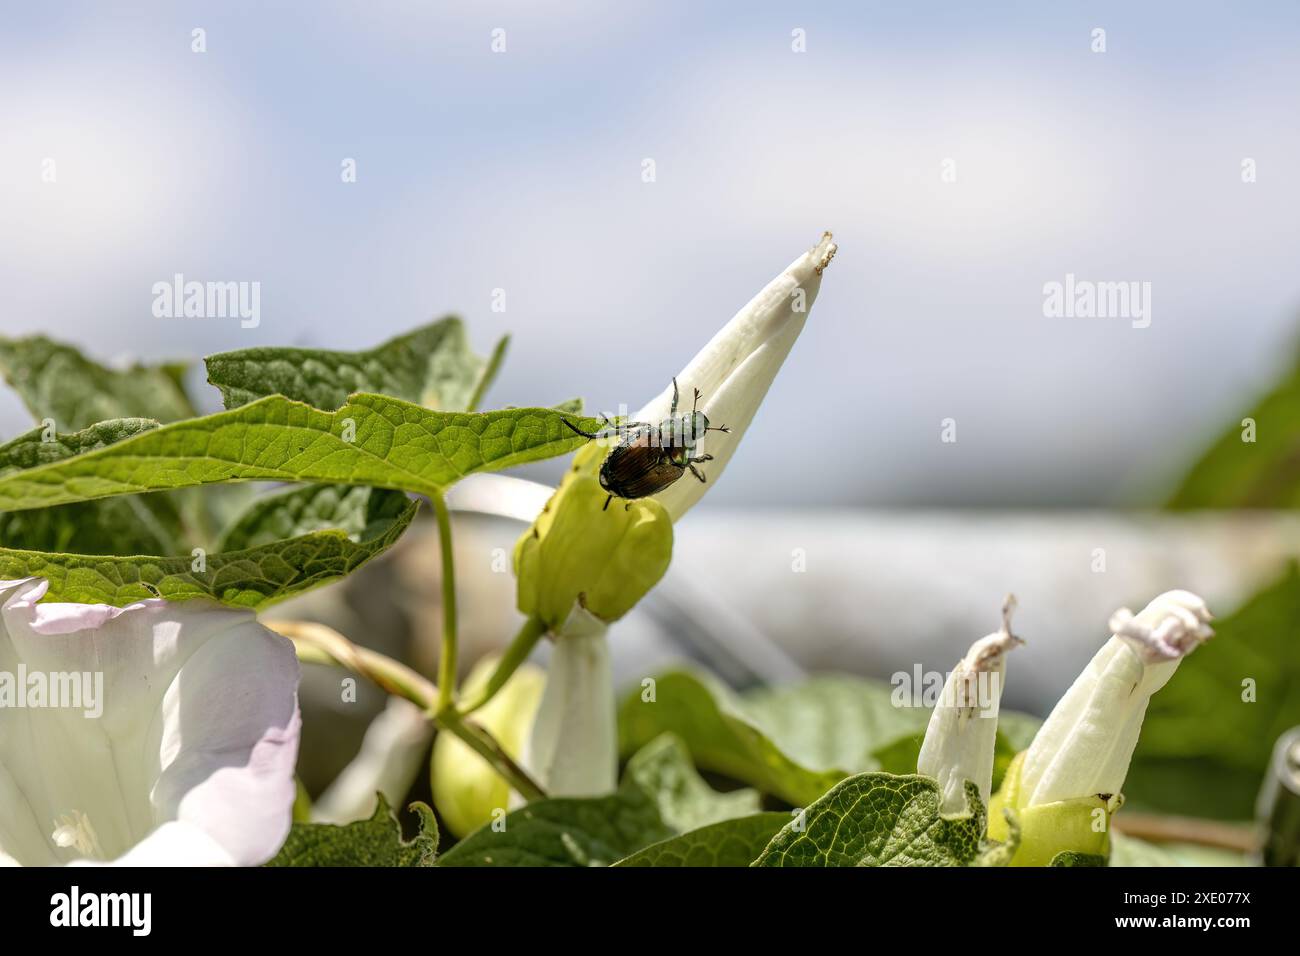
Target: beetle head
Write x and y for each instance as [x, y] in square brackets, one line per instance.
[694, 426]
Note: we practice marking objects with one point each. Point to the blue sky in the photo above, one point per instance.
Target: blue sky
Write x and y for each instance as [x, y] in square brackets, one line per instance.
[522, 170]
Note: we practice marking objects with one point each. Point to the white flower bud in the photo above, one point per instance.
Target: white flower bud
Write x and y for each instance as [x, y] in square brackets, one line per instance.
[573, 748]
[735, 369]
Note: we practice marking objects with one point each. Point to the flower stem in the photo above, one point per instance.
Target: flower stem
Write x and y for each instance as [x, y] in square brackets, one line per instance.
[487, 747]
[447, 664]
[319, 644]
[1166, 829]
[529, 634]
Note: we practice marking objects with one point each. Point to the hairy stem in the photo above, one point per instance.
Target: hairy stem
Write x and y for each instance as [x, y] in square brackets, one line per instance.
[487, 747]
[319, 644]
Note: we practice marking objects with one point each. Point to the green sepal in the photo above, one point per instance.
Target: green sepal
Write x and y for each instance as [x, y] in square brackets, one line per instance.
[1067, 829]
[578, 552]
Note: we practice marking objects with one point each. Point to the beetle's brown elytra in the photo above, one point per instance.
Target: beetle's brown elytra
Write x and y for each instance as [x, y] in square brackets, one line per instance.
[649, 458]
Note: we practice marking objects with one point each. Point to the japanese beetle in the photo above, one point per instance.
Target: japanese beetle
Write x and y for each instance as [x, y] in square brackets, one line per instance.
[649, 458]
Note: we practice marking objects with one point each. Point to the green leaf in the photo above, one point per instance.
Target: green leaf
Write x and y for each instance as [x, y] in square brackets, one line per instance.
[736, 842]
[1263, 473]
[302, 510]
[794, 741]
[720, 735]
[570, 406]
[489, 374]
[252, 577]
[798, 740]
[1130, 851]
[1177, 785]
[41, 446]
[141, 524]
[431, 366]
[145, 524]
[394, 444]
[835, 722]
[664, 770]
[566, 831]
[1015, 733]
[374, 842]
[994, 853]
[878, 819]
[56, 381]
[1199, 728]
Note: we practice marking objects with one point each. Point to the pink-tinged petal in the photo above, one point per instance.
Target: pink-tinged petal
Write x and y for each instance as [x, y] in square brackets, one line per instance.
[199, 728]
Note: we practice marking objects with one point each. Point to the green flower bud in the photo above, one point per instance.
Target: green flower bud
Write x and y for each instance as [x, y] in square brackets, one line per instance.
[579, 553]
[466, 789]
[1080, 825]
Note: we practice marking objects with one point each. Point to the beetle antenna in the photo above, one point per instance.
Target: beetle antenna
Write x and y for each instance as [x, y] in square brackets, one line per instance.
[579, 430]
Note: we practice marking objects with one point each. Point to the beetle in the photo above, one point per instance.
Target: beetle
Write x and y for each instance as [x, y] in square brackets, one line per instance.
[649, 458]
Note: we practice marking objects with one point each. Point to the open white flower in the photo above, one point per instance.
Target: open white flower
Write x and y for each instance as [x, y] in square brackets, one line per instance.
[959, 740]
[573, 746]
[191, 760]
[1086, 744]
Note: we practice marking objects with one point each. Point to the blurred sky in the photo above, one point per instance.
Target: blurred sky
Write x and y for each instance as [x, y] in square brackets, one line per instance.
[522, 171]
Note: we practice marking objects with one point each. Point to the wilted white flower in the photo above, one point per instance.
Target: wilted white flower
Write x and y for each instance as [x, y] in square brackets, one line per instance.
[191, 761]
[960, 738]
[1085, 746]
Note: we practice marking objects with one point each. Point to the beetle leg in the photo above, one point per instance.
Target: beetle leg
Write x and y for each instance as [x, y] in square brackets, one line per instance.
[695, 471]
[696, 405]
[607, 501]
[673, 413]
[718, 428]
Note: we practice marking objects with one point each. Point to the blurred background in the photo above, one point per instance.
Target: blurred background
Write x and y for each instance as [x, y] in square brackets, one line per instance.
[522, 171]
[964, 155]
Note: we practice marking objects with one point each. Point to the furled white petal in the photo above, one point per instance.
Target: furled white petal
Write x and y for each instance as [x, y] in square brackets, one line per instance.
[1086, 744]
[573, 747]
[963, 727]
[388, 762]
[191, 760]
[735, 369]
